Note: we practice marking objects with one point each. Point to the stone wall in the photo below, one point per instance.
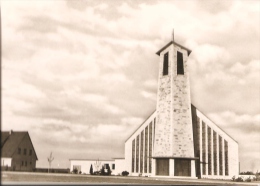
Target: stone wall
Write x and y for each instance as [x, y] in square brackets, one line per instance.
[181, 105]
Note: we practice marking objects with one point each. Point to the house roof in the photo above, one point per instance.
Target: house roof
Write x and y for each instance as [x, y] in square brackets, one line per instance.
[4, 137]
[173, 42]
[10, 142]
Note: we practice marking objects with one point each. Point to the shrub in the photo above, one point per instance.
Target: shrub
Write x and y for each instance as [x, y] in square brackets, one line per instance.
[108, 171]
[239, 179]
[102, 171]
[91, 170]
[75, 171]
[248, 179]
[96, 173]
[233, 178]
[80, 172]
[125, 173]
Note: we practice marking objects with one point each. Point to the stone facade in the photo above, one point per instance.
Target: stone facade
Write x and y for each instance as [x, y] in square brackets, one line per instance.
[173, 136]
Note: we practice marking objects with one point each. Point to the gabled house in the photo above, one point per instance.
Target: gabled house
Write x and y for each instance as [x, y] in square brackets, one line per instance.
[17, 151]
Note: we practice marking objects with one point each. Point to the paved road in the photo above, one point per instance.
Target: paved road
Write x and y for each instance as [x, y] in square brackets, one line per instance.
[22, 178]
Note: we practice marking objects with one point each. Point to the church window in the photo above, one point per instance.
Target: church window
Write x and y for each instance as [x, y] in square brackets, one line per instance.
[165, 64]
[203, 148]
[209, 151]
[215, 152]
[226, 157]
[180, 68]
[220, 156]
[146, 149]
[137, 154]
[133, 155]
[150, 146]
[141, 151]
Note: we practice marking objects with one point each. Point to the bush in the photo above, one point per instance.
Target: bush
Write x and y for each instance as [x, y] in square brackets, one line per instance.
[80, 172]
[96, 173]
[248, 179]
[125, 173]
[239, 179]
[75, 171]
[246, 173]
[102, 171]
[91, 170]
[108, 171]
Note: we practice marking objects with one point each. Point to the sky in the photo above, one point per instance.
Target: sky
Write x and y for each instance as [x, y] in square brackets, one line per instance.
[81, 76]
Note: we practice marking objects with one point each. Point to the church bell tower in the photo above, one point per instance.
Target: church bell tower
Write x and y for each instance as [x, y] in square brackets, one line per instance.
[173, 141]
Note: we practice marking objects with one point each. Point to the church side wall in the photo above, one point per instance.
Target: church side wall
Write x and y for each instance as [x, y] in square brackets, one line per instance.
[138, 149]
[218, 151]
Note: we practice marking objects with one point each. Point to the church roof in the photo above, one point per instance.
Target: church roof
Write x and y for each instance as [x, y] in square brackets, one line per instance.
[173, 42]
[10, 141]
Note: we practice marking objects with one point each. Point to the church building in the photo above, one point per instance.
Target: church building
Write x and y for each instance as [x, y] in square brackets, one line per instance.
[177, 140]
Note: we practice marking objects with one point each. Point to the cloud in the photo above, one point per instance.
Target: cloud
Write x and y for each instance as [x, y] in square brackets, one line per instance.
[77, 72]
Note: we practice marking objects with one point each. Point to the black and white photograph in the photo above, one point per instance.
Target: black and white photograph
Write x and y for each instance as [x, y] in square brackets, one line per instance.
[130, 92]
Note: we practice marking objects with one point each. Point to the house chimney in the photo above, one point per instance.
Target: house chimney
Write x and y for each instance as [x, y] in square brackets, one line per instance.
[11, 132]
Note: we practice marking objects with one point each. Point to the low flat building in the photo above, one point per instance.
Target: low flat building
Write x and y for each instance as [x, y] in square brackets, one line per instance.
[83, 165]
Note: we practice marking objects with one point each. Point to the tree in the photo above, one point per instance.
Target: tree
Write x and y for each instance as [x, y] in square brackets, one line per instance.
[50, 159]
[97, 165]
[102, 170]
[108, 170]
[91, 170]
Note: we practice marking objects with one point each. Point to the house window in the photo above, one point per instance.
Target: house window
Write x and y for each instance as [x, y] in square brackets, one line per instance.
[165, 64]
[24, 151]
[25, 163]
[113, 166]
[30, 152]
[19, 150]
[180, 69]
[22, 163]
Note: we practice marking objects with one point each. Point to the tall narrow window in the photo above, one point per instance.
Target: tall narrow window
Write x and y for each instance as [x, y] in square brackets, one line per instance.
[150, 147]
[209, 151]
[180, 69]
[145, 149]
[19, 150]
[203, 148]
[133, 155]
[165, 64]
[220, 155]
[137, 154]
[215, 152]
[142, 152]
[226, 157]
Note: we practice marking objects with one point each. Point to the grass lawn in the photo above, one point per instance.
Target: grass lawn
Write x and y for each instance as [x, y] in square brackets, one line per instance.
[45, 178]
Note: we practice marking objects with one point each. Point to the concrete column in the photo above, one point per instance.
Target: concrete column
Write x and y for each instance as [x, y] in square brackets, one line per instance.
[153, 167]
[193, 173]
[171, 172]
